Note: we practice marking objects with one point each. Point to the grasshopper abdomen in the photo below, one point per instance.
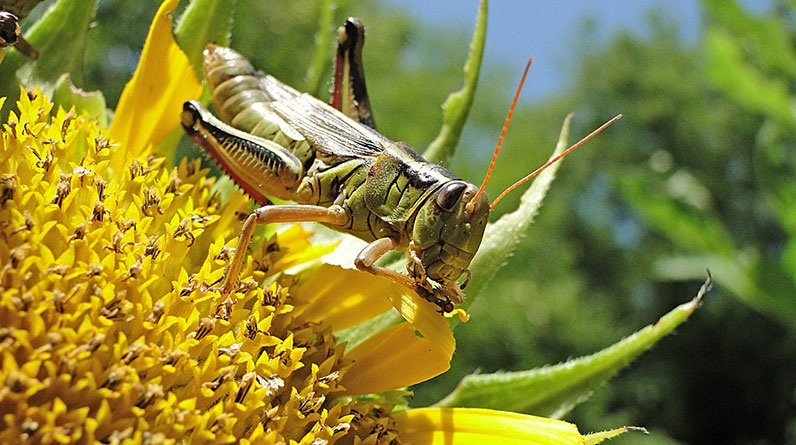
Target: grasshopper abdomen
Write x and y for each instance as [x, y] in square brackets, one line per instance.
[241, 101]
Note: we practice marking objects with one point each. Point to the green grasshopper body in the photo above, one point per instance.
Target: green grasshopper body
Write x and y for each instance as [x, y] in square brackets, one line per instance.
[338, 170]
[275, 141]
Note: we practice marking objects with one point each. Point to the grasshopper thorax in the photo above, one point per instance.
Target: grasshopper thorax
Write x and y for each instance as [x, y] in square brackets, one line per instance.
[448, 229]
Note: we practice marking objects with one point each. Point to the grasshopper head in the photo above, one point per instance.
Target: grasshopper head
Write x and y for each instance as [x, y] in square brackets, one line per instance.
[448, 230]
[451, 222]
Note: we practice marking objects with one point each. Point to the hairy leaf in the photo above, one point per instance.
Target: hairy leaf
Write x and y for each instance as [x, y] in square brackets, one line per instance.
[553, 391]
[67, 95]
[502, 237]
[457, 107]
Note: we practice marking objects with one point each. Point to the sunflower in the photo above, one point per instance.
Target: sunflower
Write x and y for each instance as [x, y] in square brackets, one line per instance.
[113, 329]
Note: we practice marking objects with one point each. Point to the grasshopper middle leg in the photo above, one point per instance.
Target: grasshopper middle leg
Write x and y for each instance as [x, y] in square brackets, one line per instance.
[277, 214]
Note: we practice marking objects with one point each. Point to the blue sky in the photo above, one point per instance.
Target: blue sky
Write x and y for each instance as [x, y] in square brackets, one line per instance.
[546, 29]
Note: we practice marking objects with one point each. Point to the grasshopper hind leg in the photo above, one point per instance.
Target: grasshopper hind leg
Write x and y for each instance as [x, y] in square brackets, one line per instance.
[350, 94]
[259, 166]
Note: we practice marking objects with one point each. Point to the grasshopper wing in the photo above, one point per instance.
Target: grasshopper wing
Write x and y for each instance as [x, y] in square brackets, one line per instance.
[332, 133]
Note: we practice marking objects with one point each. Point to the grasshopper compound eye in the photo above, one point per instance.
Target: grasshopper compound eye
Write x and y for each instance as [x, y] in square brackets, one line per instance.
[449, 194]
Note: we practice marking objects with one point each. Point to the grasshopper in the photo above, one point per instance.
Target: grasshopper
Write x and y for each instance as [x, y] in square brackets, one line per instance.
[329, 159]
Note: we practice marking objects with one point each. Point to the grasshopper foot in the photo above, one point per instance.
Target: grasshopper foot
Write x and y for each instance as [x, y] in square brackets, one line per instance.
[444, 303]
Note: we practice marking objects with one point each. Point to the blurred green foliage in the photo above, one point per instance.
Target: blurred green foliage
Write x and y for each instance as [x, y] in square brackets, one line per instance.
[704, 163]
[700, 172]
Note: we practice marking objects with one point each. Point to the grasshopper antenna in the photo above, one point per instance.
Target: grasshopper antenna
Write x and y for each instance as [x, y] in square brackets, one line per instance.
[554, 160]
[472, 202]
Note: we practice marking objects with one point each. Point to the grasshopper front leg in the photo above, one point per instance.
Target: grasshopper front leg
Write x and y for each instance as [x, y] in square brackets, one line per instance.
[277, 214]
[372, 252]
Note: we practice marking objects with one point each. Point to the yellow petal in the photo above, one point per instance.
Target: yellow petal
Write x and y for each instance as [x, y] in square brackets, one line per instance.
[150, 106]
[425, 318]
[394, 358]
[466, 426]
[296, 240]
[342, 298]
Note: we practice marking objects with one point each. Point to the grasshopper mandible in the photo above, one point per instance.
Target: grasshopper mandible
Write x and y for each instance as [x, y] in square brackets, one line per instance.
[340, 171]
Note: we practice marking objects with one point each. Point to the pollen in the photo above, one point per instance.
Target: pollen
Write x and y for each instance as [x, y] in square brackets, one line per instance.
[112, 327]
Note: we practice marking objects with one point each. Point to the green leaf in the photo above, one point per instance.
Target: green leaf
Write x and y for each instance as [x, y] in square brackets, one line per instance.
[323, 37]
[60, 37]
[728, 69]
[457, 107]
[204, 21]
[66, 95]
[553, 391]
[764, 286]
[685, 225]
[772, 295]
[782, 198]
[595, 438]
[768, 39]
[502, 236]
